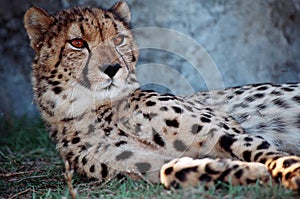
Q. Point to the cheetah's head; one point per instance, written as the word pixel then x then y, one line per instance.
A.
pixel 83 48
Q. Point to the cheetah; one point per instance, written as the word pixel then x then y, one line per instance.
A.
pixel 104 125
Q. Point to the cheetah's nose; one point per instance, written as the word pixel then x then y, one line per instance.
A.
pixel 111 70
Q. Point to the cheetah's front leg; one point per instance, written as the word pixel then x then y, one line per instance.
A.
pixel 187 171
pixel 282 167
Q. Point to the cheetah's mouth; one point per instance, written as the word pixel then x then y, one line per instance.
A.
pixel 108 85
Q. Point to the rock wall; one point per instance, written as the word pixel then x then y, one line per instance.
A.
pixel 246 42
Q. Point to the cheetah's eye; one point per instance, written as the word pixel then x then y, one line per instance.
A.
pixel 119 40
pixel 77 43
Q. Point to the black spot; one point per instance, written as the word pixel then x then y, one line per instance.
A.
pixel 108 118
pixel 280 103
pixel 133 59
pixel 124 155
pixel 287 89
pixel 236 130
pixel 296 170
pixel 287 175
pixel 238 92
pixel 163 108
pixel 263 145
pixel 179 145
pixel 235 166
pixel 261 106
pixel 157 138
pixel 107 131
pixel 249 99
pixel 296 99
pixel 262 125
pixel 177 109
pixel 262 88
pixel 57 90
pixel 230 97
pixel 272 153
pixel 149 116
pixel 205 120
pixel 164 98
pixel 224 174
pixel 188 108
pixel 239 173
pixel 169 95
pixel 274 166
pixel 226 141
pixel 206 115
pixel 75 140
pixel 263 160
pixel 53 71
pixel 181 175
pixel 135 99
pixel 257 156
pixel 196 128
pixel 92 169
pixel 259 95
pixel 247 156
pixel 150 103
pixel 210 170
pixel 277 93
pixel 247 144
pixel 250 181
pixel 104 170
pixel 168 170
pixel 65 143
pixel 288 162
pixel 172 123
pixel 205 178
pixel 258 136
pixel 225 126
pixel 248 139
pixel 278 177
pixel 57 64
pixel 142 94
pixel 82 148
pixel 122 133
pixel 143 167
pixel 84 161
pixel 120 143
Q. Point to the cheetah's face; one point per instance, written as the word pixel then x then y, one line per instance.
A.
pixel 82 47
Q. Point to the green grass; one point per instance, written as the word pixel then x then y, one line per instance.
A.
pixel 30 167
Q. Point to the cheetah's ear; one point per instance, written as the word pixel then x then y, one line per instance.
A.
pixel 37 22
pixel 121 9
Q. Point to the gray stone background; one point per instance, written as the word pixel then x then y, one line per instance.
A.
pixel 249 41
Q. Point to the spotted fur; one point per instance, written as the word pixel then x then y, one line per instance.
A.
pixel 86 90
